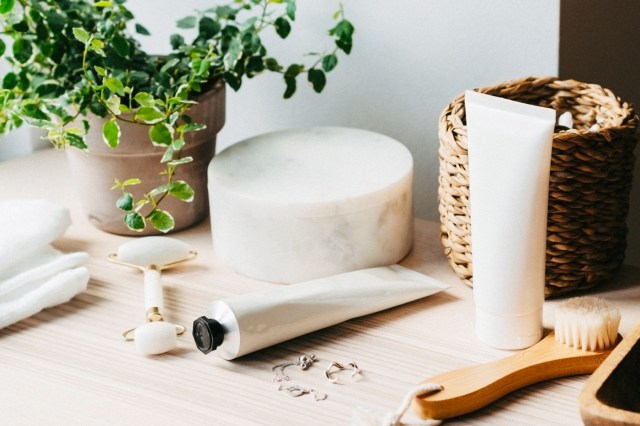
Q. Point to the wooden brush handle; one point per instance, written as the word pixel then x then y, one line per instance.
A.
pixel 468 389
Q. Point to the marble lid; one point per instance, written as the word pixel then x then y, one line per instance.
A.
pixel 324 171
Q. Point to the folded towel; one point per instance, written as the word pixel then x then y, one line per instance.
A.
pixel 60 288
pixel 33 274
pixel 27 225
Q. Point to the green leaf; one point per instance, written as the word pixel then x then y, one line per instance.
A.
pixel 173 118
pixel 121 46
pixel 6 5
pixel 184 160
pixel 103 3
pixel 251 42
pixel 81 35
pixel 191 127
pixel 291 9
pixel 132 181
pixel 208 28
pixel 291 87
pixel 33 111
pixel 3 47
pixel 170 64
pixel 168 154
pixel 111 133
pixel 225 12
pixel 187 22
pixel 23 81
pixel 125 202
pixel 232 80
pixel 138 78
pixel 161 134
pixel 134 221
pixel 329 62
pixel 114 85
pixel 317 79
pixel 282 26
pixel 345 46
pixel 144 99
pixel 22 50
pixel 176 41
pixel 177 144
pixel 97 44
pixel 293 70
pixel 343 30
pixel 113 104
pixel 161 220
pixel 181 190
pixel 149 115
pixel 10 81
pixel 75 140
pixel 272 64
pixel 48 90
pixel 203 68
pixel 55 20
pixel 234 52
pixel 160 190
pixel 142 30
pixel 101 71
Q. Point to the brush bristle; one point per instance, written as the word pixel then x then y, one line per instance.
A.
pixel 586 323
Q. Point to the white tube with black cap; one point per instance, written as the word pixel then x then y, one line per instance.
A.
pixel 246 323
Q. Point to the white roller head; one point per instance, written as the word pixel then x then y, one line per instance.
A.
pixel 157 251
pixel 154 338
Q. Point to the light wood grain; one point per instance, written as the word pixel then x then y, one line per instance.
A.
pixel 69 366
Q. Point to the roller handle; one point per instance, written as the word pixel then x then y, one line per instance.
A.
pixel 468 389
pixel 153 297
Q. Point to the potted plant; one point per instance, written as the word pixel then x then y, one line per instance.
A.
pixel 78 73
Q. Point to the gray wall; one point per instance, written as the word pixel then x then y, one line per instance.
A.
pixel 600 43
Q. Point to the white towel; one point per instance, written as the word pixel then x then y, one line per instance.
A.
pixel 33 274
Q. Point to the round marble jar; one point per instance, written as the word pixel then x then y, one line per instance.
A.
pixel 297 205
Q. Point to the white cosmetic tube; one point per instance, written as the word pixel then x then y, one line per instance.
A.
pixel 509 146
pixel 249 322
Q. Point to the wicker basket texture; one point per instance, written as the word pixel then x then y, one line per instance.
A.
pixel 590 181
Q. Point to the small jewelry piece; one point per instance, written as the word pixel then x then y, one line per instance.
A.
pixel 304 361
pixel 296 390
pixel 335 367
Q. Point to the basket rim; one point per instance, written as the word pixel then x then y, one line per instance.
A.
pixel 629 118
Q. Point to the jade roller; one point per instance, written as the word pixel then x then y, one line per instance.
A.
pixel 151 255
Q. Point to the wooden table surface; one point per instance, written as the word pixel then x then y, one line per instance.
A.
pixel 68 365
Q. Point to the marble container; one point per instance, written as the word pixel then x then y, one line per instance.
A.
pixel 297 205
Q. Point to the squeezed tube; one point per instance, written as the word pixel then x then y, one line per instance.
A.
pixel 246 323
pixel 509 145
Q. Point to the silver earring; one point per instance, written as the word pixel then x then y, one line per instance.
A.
pixel 304 362
pixel 334 367
pixel 295 391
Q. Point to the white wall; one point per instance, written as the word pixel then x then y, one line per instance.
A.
pixel 410 58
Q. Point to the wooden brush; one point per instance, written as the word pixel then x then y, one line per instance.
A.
pixel 585 332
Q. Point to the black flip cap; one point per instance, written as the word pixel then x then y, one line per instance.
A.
pixel 208 334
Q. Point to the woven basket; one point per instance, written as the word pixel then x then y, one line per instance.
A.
pixel 589 184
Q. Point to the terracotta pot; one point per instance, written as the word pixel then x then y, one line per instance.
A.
pixel 95 172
